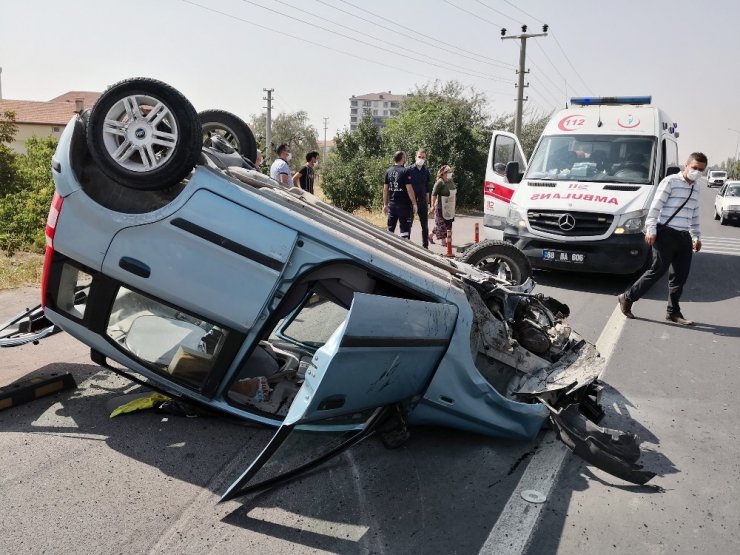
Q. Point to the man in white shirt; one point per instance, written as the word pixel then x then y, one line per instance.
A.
pixel 672 229
pixel 280 170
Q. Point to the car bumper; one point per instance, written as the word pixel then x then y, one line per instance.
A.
pixel 731 215
pixel 618 254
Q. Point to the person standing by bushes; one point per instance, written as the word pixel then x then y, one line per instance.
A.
pixel 280 170
pixel 421 182
pixel 443 204
pixel 399 200
pixel 303 178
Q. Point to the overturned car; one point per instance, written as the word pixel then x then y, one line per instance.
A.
pixel 185 270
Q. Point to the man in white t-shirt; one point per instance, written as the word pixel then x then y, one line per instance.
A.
pixel 280 170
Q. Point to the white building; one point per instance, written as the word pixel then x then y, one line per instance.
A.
pixel 380 106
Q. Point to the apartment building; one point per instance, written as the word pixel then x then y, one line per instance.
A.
pixel 380 106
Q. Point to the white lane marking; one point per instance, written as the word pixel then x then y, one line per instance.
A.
pixel 712 251
pixel 517 522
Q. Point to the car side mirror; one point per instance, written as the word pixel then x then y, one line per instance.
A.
pixel 512 172
pixel 672 170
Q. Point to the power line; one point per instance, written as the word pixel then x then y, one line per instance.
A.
pixel 394 52
pixel 314 43
pixel 571 63
pixel 475 15
pixel 478 60
pixel 525 13
pixel 500 62
pixel 551 63
pixel 496 11
pixel 541 73
pixel 556 42
pixel 403 47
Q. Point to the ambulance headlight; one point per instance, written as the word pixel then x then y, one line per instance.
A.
pixel 631 222
pixel 517 216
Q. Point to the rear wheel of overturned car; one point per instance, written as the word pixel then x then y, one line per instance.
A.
pixel 231 128
pixel 500 259
pixel 144 134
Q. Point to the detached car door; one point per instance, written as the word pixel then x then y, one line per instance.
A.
pixel 497 190
pixel 384 353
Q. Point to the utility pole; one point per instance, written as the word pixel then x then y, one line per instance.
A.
pixel 268 127
pixel 325 126
pixel 522 70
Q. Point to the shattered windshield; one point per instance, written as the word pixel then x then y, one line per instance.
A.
pixel 612 158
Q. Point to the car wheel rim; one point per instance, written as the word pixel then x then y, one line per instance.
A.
pixel 498 267
pixel 140 133
pixel 228 134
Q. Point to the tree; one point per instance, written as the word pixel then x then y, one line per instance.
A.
pixel 353 175
pixel 292 129
pixel 8 129
pixel 23 209
pixel 452 125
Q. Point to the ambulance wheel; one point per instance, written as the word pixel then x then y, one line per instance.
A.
pixel 144 134
pixel 502 260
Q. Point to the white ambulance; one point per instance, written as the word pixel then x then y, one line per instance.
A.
pixel 581 201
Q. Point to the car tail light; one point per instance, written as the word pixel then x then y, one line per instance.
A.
pixel 51 226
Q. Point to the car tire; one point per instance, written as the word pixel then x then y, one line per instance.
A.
pixel 716 216
pixel 722 220
pixel 232 128
pixel 500 259
pixel 144 134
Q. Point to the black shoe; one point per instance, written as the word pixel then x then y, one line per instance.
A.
pixel 677 318
pixel 625 306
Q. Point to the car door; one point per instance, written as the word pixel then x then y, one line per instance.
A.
pixel 384 353
pixel 497 190
pixel 718 200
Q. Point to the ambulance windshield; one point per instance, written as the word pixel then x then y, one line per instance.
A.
pixel 611 158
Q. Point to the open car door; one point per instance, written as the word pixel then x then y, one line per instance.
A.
pixel 497 190
pixel 384 353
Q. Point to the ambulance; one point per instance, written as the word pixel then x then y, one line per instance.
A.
pixel 580 203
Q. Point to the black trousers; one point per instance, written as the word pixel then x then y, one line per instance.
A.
pixel 423 215
pixel 402 214
pixel 672 249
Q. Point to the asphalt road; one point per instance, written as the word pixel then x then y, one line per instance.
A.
pixel 74 480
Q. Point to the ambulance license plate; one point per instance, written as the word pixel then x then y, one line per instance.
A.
pixel 563 256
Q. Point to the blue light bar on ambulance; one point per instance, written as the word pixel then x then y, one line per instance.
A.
pixel 609 100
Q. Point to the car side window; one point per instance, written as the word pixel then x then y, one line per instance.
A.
pixel 164 338
pixel 505 151
pixel 722 190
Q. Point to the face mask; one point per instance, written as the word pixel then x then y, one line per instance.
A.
pixel 420 162
pixel 290 157
pixel 693 175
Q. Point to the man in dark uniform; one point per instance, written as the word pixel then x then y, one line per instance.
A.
pixel 399 200
pixel 420 181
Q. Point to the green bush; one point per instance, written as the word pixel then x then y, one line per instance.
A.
pixel 24 201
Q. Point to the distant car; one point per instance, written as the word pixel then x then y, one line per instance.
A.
pixel 716 178
pixel 727 203
pixel 214 284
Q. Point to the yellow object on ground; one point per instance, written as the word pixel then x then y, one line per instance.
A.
pixel 141 403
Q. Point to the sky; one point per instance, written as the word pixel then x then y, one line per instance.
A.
pixel 316 54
